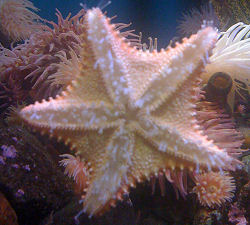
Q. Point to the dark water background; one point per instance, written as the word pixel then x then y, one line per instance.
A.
pixel 154 18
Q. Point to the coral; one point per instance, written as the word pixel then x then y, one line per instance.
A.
pixel 18 19
pixel 236 215
pixel 213 188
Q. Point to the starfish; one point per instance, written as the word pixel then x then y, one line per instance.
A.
pixel 130 114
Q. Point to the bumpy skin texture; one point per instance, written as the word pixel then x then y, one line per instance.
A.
pixel 130 114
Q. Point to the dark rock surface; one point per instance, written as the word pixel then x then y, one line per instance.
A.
pixel 30 177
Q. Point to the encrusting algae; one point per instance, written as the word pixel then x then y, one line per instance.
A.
pixel 131 114
pixel 232 11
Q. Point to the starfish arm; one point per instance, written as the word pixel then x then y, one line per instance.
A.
pixel 67 113
pixel 190 146
pixel 108 178
pixel 185 60
pixel 125 70
pixel 105 45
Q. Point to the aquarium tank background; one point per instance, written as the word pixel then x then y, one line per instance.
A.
pixel 156 19
pixel 141 123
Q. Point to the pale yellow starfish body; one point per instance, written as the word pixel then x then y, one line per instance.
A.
pixel 130 114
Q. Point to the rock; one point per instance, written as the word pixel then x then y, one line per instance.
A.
pixel 30 176
pixel 7 213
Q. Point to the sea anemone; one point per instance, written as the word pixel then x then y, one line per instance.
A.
pixel 77 169
pixel 46 48
pixel 231 55
pixel 32 62
pixel 219 127
pixel 213 188
pixel 11 93
pixel 45 60
pixel 13 90
pixel 195 18
pixel 68 70
pixel 18 19
pixel 7 57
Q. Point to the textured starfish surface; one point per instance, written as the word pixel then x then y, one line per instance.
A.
pixel 130 114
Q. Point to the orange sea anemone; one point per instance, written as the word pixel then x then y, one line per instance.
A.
pixel 76 168
pixel 18 19
pixel 213 188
